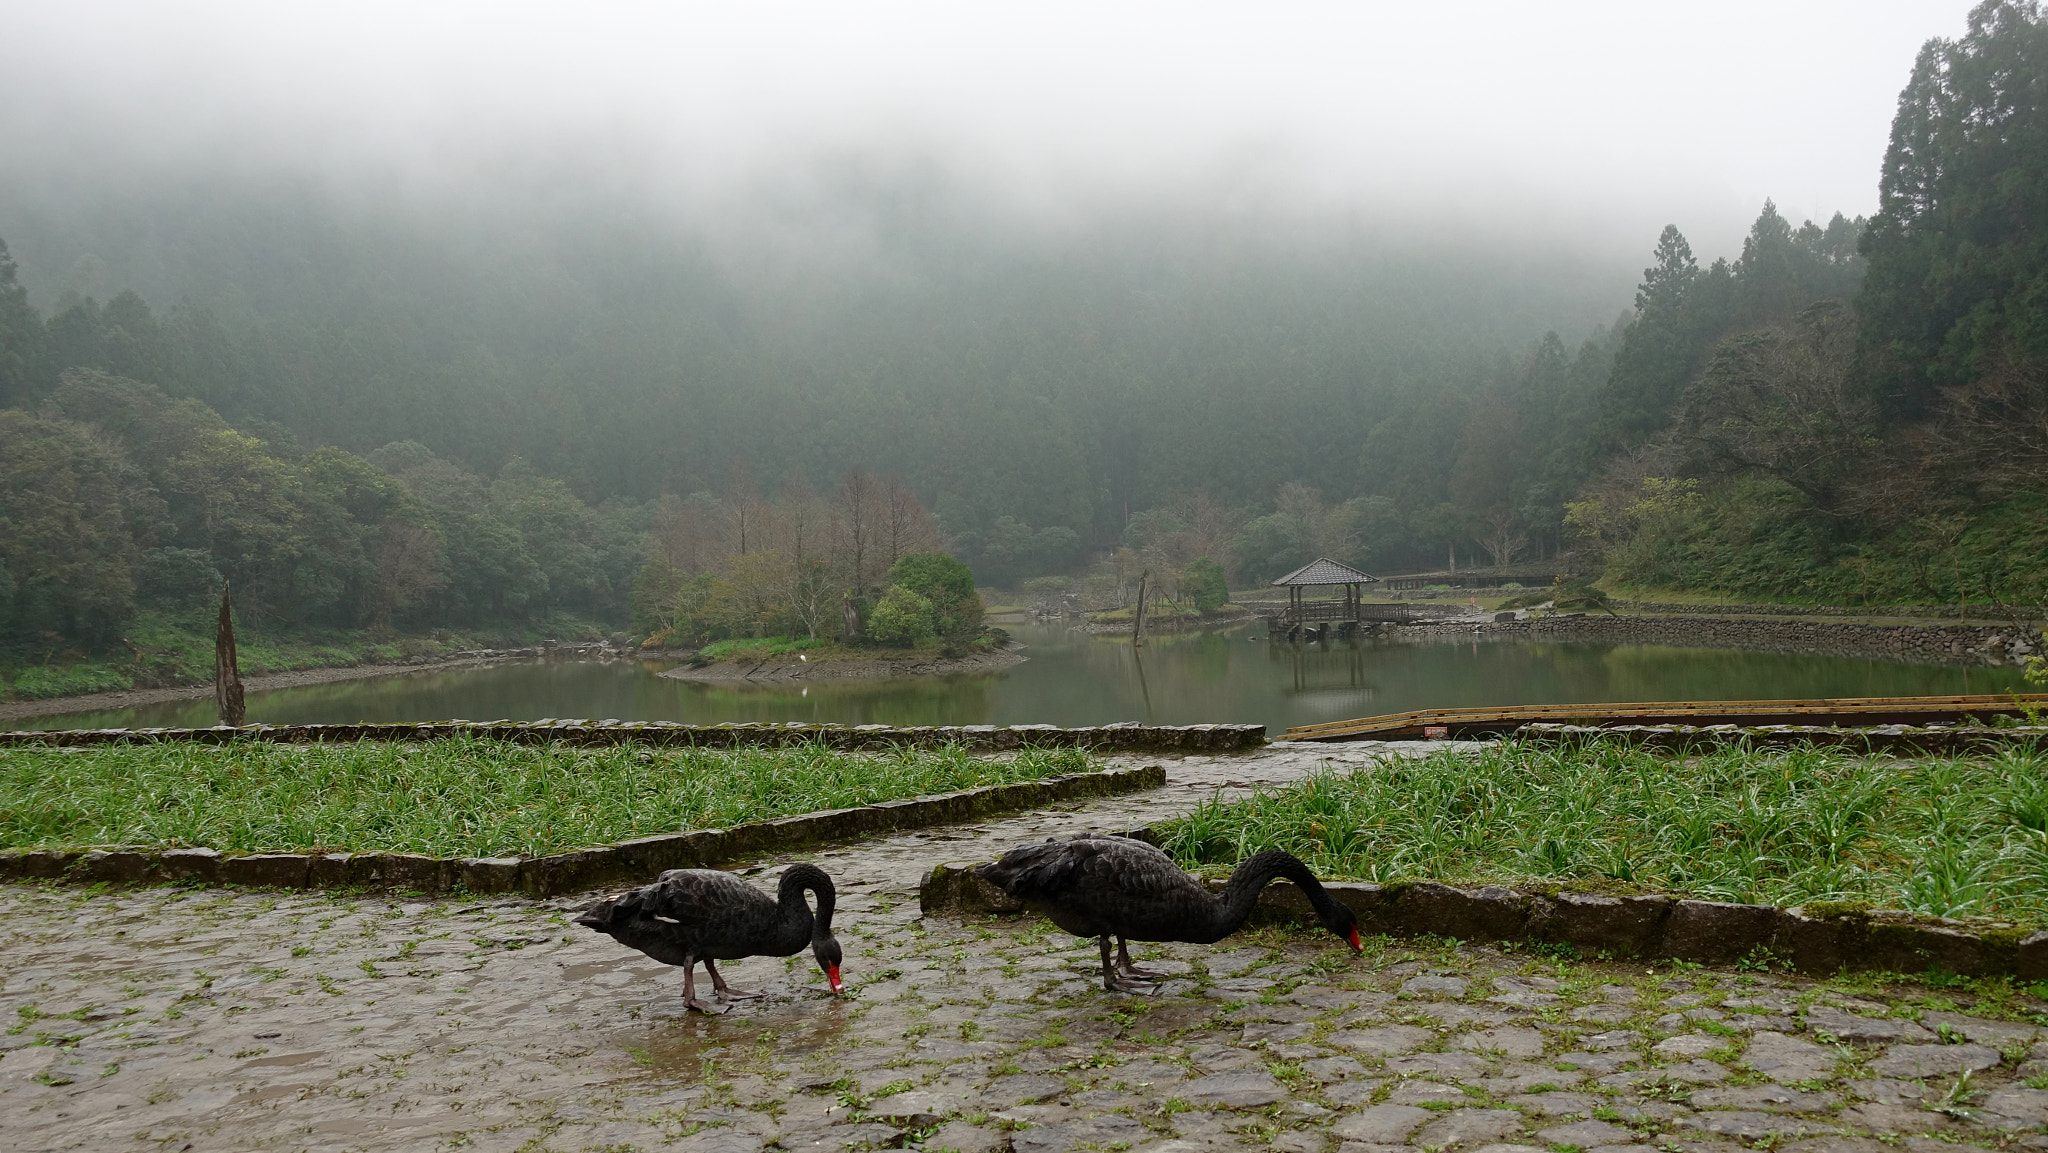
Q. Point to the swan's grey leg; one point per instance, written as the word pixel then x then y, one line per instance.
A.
pixel 1124 966
pixel 1115 982
pixel 727 992
pixel 690 1000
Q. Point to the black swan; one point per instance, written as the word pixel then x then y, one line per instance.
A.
pixel 692 915
pixel 1101 886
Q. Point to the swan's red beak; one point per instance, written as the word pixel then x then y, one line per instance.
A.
pixel 1356 945
pixel 832 975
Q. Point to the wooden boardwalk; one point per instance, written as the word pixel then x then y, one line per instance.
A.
pixel 1849 711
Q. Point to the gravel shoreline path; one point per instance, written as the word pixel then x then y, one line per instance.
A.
pixel 219 1019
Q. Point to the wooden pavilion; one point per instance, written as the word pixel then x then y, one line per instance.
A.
pixel 1323 572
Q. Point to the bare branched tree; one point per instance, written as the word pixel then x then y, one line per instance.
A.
pixel 1993 432
pixel 800 520
pixel 743 509
pixel 906 526
pixel 408 568
pixel 1504 540
pixel 1783 402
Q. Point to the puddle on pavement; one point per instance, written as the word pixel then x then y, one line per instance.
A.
pixel 585 970
pixel 270 1093
pixel 281 1059
pixel 678 1047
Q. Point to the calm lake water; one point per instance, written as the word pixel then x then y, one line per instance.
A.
pixel 1075 679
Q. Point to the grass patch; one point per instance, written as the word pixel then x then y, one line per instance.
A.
pixel 42 682
pixel 1944 836
pixel 176 648
pixel 757 648
pixel 459 797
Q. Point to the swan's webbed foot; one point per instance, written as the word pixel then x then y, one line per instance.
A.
pixel 690 998
pixel 1115 980
pixel 726 992
pixel 1125 968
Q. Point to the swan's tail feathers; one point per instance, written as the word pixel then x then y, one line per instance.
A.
pixel 1034 871
pixel 599 916
pixel 627 906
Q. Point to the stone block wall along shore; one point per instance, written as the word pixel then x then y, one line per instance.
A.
pixel 1819 939
pixel 1125 737
pixel 1977 645
pixel 635 861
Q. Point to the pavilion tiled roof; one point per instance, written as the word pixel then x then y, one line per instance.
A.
pixel 1324 571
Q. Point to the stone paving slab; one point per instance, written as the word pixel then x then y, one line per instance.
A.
pixel 157 1018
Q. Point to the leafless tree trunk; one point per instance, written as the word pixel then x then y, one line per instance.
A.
pixel 1138 620
pixel 801 520
pixel 227 677
pixel 743 507
pixel 856 526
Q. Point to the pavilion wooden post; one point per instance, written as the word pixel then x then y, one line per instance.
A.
pixel 1138 622
pixel 227 678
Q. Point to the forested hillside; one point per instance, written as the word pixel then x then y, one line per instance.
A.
pixel 400 415
pixel 1780 444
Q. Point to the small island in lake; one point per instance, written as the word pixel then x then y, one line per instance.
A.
pixel 766 617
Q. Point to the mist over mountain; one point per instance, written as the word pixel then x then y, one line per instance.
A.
pixel 485 313
pixel 634 352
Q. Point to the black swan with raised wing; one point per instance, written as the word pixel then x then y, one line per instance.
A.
pixel 692 915
pixel 1094 885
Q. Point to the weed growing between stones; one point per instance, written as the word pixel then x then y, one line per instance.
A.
pixel 460 797
pixel 1955 836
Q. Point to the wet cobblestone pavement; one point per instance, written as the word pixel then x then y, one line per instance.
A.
pixel 220 1019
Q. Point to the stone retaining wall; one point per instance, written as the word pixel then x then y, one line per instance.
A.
pixel 1913 644
pixel 1817 939
pixel 1978 612
pixel 981 738
pixel 636 861
pixel 1944 739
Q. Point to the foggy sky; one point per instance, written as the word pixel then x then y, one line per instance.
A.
pixel 1597 117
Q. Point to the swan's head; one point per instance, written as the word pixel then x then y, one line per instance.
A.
pixel 1343 922
pixel 827 953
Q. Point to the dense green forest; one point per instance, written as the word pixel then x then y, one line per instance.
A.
pixel 1765 433
pixel 394 418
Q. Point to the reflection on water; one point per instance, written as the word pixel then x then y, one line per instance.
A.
pixel 1075 679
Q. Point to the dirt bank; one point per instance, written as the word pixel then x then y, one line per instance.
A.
pixel 135 698
pixel 788 668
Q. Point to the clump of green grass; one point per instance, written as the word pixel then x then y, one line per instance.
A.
pixel 41 682
pixel 456 797
pixel 1940 836
pixel 757 647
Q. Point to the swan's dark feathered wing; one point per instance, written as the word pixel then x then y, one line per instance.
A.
pixel 1094 884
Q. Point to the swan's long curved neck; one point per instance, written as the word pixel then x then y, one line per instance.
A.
pixel 798 923
pixel 1250 877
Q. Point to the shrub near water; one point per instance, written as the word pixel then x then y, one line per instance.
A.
pixel 453 798
pixel 1941 836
